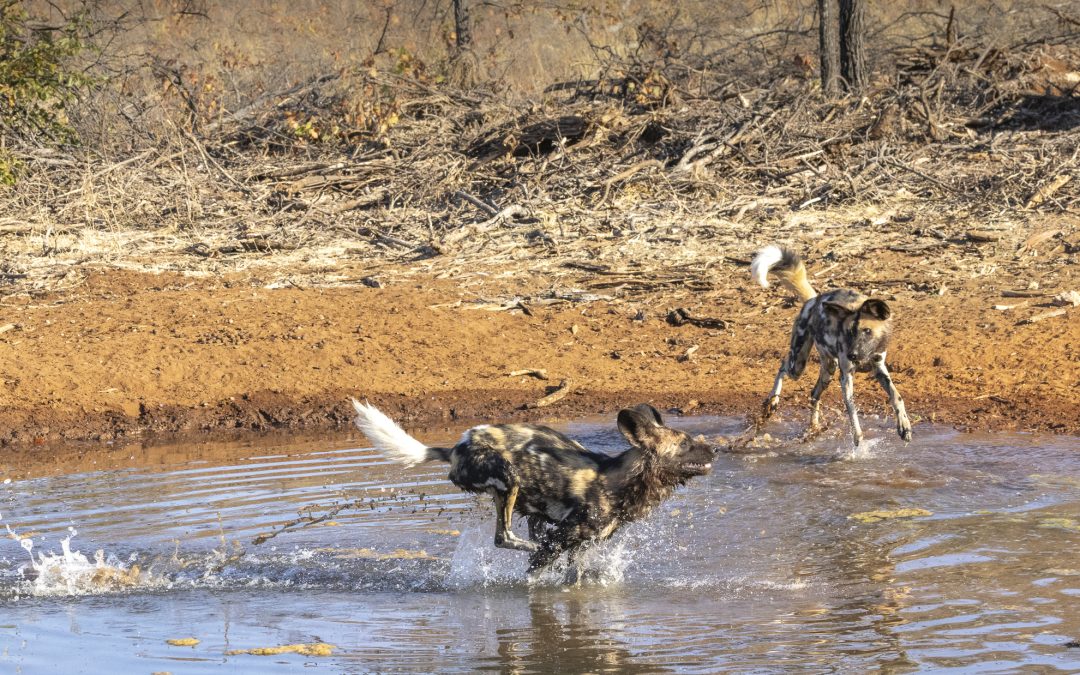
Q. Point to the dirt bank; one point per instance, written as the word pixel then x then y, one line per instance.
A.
pixel 129 353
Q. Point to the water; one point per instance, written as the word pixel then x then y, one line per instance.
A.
pixel 759 567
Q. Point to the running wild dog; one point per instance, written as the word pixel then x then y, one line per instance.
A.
pixel 847 328
pixel 571 496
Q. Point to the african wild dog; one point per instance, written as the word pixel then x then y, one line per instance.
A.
pixel 847 328
pixel 572 496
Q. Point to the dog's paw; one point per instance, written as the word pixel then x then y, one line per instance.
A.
pixel 811 433
pixel 573 575
pixel 515 543
pixel 769 407
pixel 526 545
pixel 903 427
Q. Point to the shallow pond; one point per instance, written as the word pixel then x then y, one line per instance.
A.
pixel 774 561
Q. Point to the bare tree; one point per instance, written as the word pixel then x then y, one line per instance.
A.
pixel 829 46
pixel 462 31
pixel 464 66
pixel 841 43
pixel 852 52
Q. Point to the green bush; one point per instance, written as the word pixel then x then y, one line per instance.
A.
pixel 38 79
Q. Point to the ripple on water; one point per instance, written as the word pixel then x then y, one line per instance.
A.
pixel 756 567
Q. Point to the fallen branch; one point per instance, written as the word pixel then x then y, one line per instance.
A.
pixel 486 208
pixel 1039 317
pixel 451 240
pixel 681 316
pixel 538 373
pixel 1022 294
pixel 983 236
pixel 305 521
pixel 623 175
pixel 1047 191
pixel 688 354
pixel 1038 239
pixel 558 394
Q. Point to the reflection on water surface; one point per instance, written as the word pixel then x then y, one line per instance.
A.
pixel 955 552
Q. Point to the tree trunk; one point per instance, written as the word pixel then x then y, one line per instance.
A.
pixel 829 47
pixel 852 44
pixel 462 34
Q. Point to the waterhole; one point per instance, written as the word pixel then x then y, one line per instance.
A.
pixel 957 551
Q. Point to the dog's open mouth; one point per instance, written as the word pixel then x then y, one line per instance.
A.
pixel 697 467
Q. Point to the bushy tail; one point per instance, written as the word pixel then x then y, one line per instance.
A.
pixel 787 266
pixel 391 440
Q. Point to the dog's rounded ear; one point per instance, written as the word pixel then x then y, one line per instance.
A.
pixel 646 409
pixel 840 312
pixel 876 309
pixel 639 427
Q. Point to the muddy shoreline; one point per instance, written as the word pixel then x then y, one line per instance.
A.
pixel 264 412
pixel 135 356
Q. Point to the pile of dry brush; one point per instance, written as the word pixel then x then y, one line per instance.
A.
pixel 956 130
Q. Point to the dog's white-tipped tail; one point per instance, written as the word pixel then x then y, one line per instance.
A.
pixel 763 262
pixel 387 437
pixel 788 268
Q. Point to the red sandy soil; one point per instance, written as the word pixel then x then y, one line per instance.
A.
pixel 130 354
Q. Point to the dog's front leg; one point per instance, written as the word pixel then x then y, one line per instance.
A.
pixel 881 374
pixel 504 512
pixel 847 386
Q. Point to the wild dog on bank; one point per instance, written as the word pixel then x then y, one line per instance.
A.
pixel 848 329
pixel 572 496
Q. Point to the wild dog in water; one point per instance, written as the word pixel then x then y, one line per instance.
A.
pixel 572 496
pixel 847 328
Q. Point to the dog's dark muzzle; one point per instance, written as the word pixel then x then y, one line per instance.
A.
pixel 700 458
pixel 695 469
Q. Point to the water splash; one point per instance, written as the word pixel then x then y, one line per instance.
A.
pixel 862 451
pixel 70 572
pixel 476 562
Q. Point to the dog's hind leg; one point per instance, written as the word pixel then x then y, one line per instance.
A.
pixel 568 535
pixel 881 374
pixel 574 572
pixel 589 535
pixel 549 551
pixel 847 386
pixel 793 365
pixel 825 375
pixel 772 401
pixel 504 512
pixel 538 528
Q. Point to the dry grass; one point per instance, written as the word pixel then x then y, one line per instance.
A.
pixel 276 143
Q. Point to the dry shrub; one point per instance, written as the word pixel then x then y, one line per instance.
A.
pixel 252 134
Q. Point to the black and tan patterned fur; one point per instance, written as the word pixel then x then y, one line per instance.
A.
pixel 850 331
pixel 571 496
